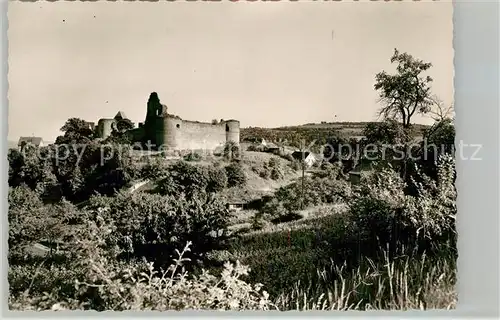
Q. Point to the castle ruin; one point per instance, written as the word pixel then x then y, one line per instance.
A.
pixel 169 132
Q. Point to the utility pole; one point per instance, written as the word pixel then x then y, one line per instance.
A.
pixel 303 162
pixel 303 175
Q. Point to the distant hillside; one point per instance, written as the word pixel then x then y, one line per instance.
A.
pixel 313 131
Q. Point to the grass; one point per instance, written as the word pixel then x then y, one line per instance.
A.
pixel 315 264
pixel 318 263
pixel 404 284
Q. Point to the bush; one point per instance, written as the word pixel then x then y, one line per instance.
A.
pixel 217 179
pixel 231 150
pixel 316 191
pixel 276 174
pixel 235 175
pixel 296 165
pixel 273 210
pixel 73 171
pixel 381 208
pixel 108 286
pixel 31 221
pixel 264 173
pixel 188 179
pixel 156 168
pixel 331 171
pixel 152 225
pixel 254 148
pixel 184 178
pixel 193 156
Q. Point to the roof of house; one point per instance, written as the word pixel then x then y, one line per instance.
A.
pixel 120 115
pixel 298 155
pixel 33 140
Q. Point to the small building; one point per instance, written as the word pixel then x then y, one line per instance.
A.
pixel 235 206
pixel 309 158
pixel 35 141
pixel 269 146
pixel 238 199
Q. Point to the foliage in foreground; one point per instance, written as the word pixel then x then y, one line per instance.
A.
pixel 100 283
pixel 331 265
pixel 401 284
pixel 379 216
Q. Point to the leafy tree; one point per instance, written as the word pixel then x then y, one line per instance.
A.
pixel 386 132
pixel 119 132
pixel 231 150
pixel 441 134
pixel 123 125
pixel 155 168
pixel 84 170
pixel 184 178
pixel 438 140
pixel 16 163
pixel 31 221
pixel 193 156
pixel 235 175
pixel 407 92
pixel 110 168
pixel 76 131
pixel 23 198
pixel 217 179
pixel 153 225
pixel 32 167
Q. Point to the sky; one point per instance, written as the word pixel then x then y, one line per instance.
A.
pixel 264 64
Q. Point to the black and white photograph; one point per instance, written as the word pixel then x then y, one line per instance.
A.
pixel 232 156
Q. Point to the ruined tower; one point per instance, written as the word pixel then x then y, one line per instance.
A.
pixel 173 133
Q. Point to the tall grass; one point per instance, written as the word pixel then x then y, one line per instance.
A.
pixel 320 264
pixel 401 284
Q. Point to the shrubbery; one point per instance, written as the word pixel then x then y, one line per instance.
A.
pixel 95 280
pixel 382 210
pixel 270 170
pixel 185 178
pixel 156 168
pixel 31 221
pixel 323 189
pixel 193 156
pixel 235 175
pixel 154 226
pixel 382 226
pixel 114 252
pixel 231 150
pixel 74 171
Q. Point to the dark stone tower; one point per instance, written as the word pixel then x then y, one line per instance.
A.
pixel 153 111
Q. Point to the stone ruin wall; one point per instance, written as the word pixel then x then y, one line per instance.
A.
pixel 178 134
pixel 170 132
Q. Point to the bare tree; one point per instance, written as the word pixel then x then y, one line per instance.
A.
pixel 439 111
